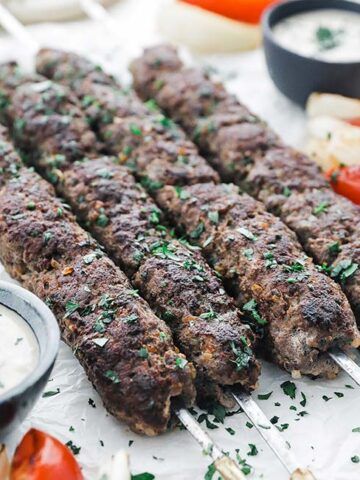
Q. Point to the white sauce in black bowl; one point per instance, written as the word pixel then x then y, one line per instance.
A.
pixel 331 35
pixel 19 350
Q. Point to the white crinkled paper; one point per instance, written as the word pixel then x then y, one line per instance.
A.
pixel 322 438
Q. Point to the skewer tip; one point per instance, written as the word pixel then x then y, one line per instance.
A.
pixel 228 469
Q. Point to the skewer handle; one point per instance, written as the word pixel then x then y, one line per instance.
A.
pixel 227 468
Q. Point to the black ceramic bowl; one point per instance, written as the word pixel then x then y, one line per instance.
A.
pixel 298 76
pixel 16 403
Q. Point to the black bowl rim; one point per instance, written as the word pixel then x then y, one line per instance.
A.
pixel 48 356
pixel 309 5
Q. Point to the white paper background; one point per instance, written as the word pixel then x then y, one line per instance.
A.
pixel 323 439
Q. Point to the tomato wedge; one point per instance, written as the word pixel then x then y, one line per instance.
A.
pixel 242 10
pixel 40 456
pixel 346 182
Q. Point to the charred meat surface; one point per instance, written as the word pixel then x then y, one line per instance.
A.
pixel 126 351
pixel 259 258
pixel 245 151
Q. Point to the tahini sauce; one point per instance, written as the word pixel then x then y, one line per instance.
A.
pixel 331 35
pixel 19 351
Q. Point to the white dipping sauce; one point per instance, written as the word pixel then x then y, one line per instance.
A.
pixel 331 35
pixel 19 350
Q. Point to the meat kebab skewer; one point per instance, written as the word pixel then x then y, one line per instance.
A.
pixel 126 350
pixel 277 444
pixel 244 150
pixel 156 150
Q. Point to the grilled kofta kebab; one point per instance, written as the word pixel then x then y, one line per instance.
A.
pixel 100 315
pixel 244 150
pixel 302 312
pixel 51 130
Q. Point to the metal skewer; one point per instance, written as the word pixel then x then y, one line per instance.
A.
pixel 272 437
pixel 223 464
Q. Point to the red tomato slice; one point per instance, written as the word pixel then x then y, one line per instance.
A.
pixel 346 182
pixel 40 456
pixel 243 10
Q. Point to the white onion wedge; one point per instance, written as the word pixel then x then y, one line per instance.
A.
pixel 117 468
pixel 333 142
pixel 205 32
pixel 337 106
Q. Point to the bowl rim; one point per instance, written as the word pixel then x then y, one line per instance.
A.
pixel 308 5
pixel 50 348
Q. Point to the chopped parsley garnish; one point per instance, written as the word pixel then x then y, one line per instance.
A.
pixel 355 459
pixel 251 307
pixel 131 318
pixel 143 353
pixel 181 193
pixel 356 430
pixel 303 401
pixel 270 261
pixel 247 234
pixel 321 208
pixel 196 233
pixel 264 396
pixel 274 420
pixel 91 403
pixel 253 450
pixel 181 362
pixel 289 388
pixel 135 129
pixel 112 375
pixel 75 450
pixel 210 315
pixel 151 185
pixel 248 253
pixel 339 394
pixel 102 220
pixel 287 192
pixel 230 430
pixel 242 354
pixel 31 206
pixel 51 393
pixel 344 270
pixel 334 247
pixel 71 307
pixel 327 38
pixel 143 476
pixel 213 217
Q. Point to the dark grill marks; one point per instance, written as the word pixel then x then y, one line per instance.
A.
pixel 260 259
pixel 176 281
pixel 100 315
pixel 244 150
